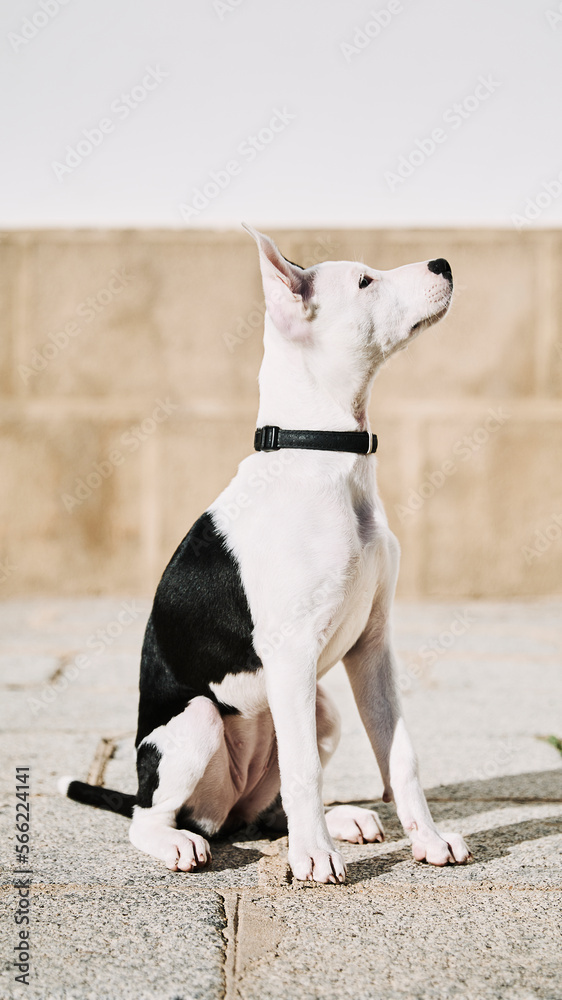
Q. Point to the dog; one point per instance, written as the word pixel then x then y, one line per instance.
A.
pixel 292 569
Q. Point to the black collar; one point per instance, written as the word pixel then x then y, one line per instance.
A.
pixel 271 438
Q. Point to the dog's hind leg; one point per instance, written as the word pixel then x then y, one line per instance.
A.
pixel 172 762
pixel 344 822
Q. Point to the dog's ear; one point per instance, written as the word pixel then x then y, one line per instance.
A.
pixel 288 289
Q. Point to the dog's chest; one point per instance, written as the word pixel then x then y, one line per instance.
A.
pixel 364 573
pixel 311 551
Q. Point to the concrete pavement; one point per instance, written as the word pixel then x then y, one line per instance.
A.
pixel 482 682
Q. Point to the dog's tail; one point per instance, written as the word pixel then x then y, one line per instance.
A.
pixel 95 795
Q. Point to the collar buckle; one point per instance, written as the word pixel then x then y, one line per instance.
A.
pixel 267 438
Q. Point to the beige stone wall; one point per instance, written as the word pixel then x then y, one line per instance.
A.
pixel 99 326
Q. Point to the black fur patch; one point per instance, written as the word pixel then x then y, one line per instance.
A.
pixel 101 798
pixel 199 631
pixel 148 759
pixel 185 820
pixel 273 820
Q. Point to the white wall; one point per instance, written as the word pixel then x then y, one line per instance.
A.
pixel 229 64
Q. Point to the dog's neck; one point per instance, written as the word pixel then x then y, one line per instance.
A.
pixel 295 393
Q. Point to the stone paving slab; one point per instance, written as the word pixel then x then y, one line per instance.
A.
pixel 408 943
pixel 461 727
pixel 45 755
pixel 134 945
pixel 77 846
pixel 103 710
pixel 19 670
pixel 112 923
pixel 46 621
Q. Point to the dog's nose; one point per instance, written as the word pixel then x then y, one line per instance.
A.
pixel 441 266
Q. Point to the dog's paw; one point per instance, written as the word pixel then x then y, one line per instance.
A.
pixel 187 851
pixel 439 848
pixel 352 823
pixel 317 865
pixel 180 850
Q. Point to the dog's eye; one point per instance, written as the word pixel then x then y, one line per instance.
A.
pixel 364 280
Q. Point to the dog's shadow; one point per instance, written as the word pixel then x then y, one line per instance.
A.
pixel 486 846
pixel 449 802
pixel 230 857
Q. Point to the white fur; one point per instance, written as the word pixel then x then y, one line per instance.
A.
pixel 63 784
pixel 246 691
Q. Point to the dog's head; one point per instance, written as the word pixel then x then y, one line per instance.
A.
pixel 349 307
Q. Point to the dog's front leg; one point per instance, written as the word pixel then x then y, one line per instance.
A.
pixel 291 691
pixel 371 669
